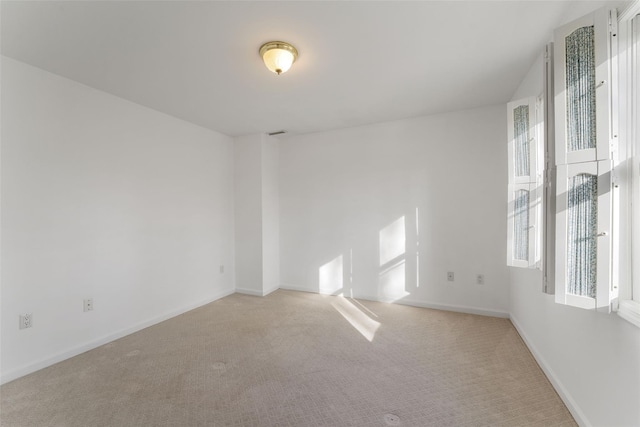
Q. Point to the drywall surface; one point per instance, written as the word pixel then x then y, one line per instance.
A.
pixel 270 216
pixel 248 217
pixel 103 199
pixel 385 211
pixel 257 214
pixel 593 359
pixel 532 83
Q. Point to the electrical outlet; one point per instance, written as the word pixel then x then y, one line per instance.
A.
pixel 221 269
pixel 26 321
pixel 88 304
pixel 450 276
pixel 480 279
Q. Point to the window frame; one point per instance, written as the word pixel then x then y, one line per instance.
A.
pixel 596 161
pixel 549 174
pixel 531 183
pixel 628 306
pixel 616 160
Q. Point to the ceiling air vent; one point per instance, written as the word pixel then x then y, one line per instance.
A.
pixel 278 132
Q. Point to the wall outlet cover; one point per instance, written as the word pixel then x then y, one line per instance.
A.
pixel 26 321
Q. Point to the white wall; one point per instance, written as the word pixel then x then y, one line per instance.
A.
pixel 592 358
pixel 364 211
pixel 270 215
pixel 103 199
pixel 257 213
pixel 248 211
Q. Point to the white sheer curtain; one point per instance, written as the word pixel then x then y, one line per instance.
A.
pixel 581 94
pixel 521 225
pixel 581 236
pixel 521 137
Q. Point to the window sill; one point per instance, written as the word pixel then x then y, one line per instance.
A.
pixel 630 311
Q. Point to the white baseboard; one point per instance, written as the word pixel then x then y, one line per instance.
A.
pixel 456 308
pixel 255 293
pixel 248 292
pixel 33 367
pixel 297 288
pixel 415 303
pixel 268 291
pixel 571 404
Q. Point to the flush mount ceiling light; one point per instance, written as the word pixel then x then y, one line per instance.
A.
pixel 278 56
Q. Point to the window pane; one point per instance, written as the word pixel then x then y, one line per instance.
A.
pixel 581 240
pixel 581 90
pixel 521 225
pixel 521 136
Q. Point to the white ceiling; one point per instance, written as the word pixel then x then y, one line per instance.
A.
pixel 359 63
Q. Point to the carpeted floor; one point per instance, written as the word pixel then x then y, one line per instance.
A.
pixel 296 359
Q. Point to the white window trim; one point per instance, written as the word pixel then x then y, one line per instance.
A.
pixel 629 310
pixel 629 67
pixel 548 247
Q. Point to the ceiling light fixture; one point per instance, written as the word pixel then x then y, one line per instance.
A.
pixel 278 56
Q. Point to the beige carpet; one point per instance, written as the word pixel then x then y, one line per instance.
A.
pixel 296 359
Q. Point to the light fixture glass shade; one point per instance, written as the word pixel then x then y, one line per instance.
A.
pixel 278 56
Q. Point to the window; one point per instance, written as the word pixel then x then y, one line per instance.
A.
pixel 584 141
pixel 576 151
pixel 629 171
pixel 525 180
